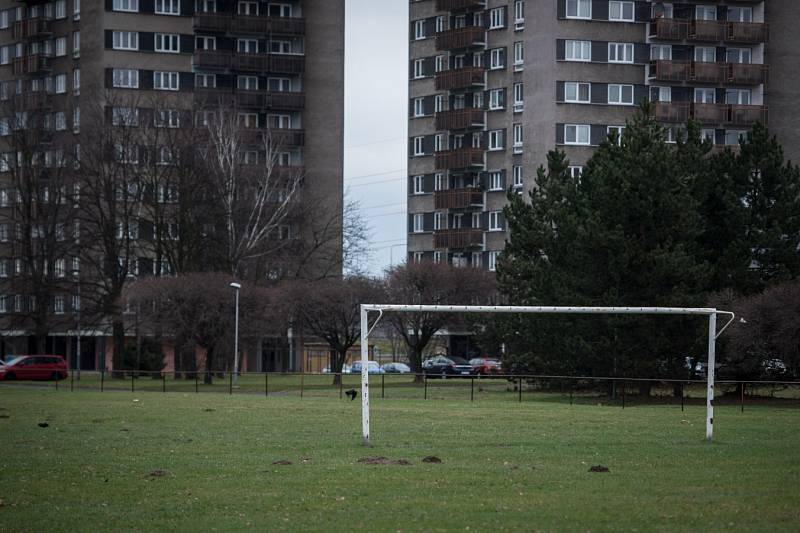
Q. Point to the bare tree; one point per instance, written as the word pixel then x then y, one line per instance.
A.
pixel 355 240
pixel 431 283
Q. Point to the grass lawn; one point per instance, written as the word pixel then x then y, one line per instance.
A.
pixel 505 465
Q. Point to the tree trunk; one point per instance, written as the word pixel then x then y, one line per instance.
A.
pixel 337 362
pixel 415 358
pixel 118 347
pixel 208 378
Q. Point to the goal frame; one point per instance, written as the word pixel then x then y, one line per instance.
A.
pixel 711 313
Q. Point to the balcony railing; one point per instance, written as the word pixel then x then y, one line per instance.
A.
pixel 31 64
pixel 458 198
pixel 708 72
pixel 226 60
pixel 32 27
pixel 459 158
pixel 277 137
pixel 460 78
pixel 460 119
pixel 251 99
pixel 711 114
pixel 709 30
pixel 455 5
pixel 34 101
pixel 220 22
pixel 459 38
pixel 458 238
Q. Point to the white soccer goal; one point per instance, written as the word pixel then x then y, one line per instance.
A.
pixel 713 334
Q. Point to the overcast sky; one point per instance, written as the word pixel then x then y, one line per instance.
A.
pixel 376 95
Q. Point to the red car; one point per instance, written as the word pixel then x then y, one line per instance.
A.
pixel 40 367
pixel 486 367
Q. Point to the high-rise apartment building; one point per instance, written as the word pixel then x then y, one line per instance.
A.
pixel 277 65
pixel 495 84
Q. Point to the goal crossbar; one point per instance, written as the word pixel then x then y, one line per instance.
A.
pixel 711 313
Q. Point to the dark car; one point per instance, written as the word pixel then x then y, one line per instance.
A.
pixel 396 368
pixel 447 366
pixel 486 367
pixel 38 367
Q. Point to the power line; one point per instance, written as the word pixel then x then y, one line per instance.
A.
pixel 376 182
pixel 364 176
pixel 383 205
pixel 389 214
pixel 375 142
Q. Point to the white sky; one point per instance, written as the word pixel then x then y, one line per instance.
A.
pixel 376 122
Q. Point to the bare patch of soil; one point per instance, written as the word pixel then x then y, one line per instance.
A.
pixel 599 468
pixel 379 460
pixel 432 459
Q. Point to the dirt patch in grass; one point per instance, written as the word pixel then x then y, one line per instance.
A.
pixel 599 468
pixel 431 459
pixel 158 472
pixel 379 460
pixel 282 462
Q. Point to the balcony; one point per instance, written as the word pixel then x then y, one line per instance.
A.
pixel 709 30
pixel 32 27
pixel 277 138
pixel 458 198
pixel 458 238
pixel 460 119
pixel 33 101
pixel 462 78
pixel 459 158
pixel 224 23
pixel 31 64
pixel 261 63
pixel 716 73
pixel 457 5
pixel 460 38
pixel 710 114
pixel 251 99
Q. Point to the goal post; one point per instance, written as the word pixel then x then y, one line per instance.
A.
pixel 711 313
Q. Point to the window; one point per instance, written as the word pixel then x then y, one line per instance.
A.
pixel 577 50
pixel 125 78
pixel 125 116
pixel 438 142
pixel 622 11
pixel 495 181
pixel 477 100
pixel 439 182
pixel 708 135
pixel 518 176
pixel 247 83
pixel 660 94
pixel 438 103
pixel 438 220
pixel 497 18
pixel 126 5
pixel 620 52
pixel 740 14
pixel 497 58
pixel 76 302
pixel 704 96
pixel 497 99
pixel 205 81
pixel 4 19
pixel 579 9
pixel 737 96
pixel 738 55
pixel 495 221
pixel 76 127
pixel 705 54
pixel 60 268
pixel 575 172
pixel 419 107
pixel 279 10
pixel 168 7
pixel 519 14
pixel 439 63
pixel 419 222
pixel 419 29
pixel 126 40
pixel 419 68
pixel 493 260
pixel 496 140
pixel 577 92
pixel 734 137
pixel 247 46
pixel 518 138
pixel 247 8
pixel 419 184
pixel 661 51
pixel 61 47
pixel 58 304
pixel 615 132
pixel 620 94
pixel 61 84
pixel 3 271
pixel 168 43
pixel 419 146
pixel 437 257
pixel 76 80
pixel 205 42
pixel 76 11
pixel 167 118
pixel 439 24
pixel 76 44
pixel 705 12
pixel 519 56
pixel 126 153
pixel 576 134
pixel 519 97
pixel 165 81
pixel 248 120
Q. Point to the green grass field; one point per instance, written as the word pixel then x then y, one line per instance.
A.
pixel 505 465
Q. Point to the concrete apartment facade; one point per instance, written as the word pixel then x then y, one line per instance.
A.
pixel 495 84
pixel 270 59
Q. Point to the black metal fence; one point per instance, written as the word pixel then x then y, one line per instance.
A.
pixel 573 389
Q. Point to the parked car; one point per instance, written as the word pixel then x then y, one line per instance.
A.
pixel 34 367
pixel 447 366
pixel 396 368
pixel 773 368
pixel 486 367
pixel 372 368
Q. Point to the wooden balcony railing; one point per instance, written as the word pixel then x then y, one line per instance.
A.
pixel 458 38
pixel 460 119
pixel 748 73
pixel 220 22
pixel 263 63
pixel 708 72
pixel 457 238
pixel 459 158
pixel 709 30
pixel 458 198
pixel 277 138
pixel 455 5
pixel 31 27
pixel 711 114
pixel 739 73
pixel 251 99
pixel 666 70
pixel 33 101
pixel 31 64
pixel 460 78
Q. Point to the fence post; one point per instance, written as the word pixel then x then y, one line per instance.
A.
pixel 266 384
pixel 743 386
pixel 341 384
pixel 196 389
pixel 132 381
pixel 56 384
pixel 571 392
pixel 520 390
pixel 71 381
pixel 230 383
pixel 682 396
pixel 472 388
pixel 302 379
pixel 425 379
pixel 623 394
pixel 102 379
pixel 383 384
pixel 163 382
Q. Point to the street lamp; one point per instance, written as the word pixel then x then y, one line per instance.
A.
pixel 236 287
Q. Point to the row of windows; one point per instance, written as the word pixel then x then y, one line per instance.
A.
pixel 496 20
pixel 171 43
pixel 475 259
pixel 25 304
pixel 51 10
pixel 51 48
pixel 495 181
pixel 58 267
pixel 172 118
pixel 126 78
pixel 457 221
pixel 162 7
pixel 49 84
pixel 173 7
pixel 493 99
pixel 495 141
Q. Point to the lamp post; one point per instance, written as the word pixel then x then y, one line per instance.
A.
pixel 236 287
